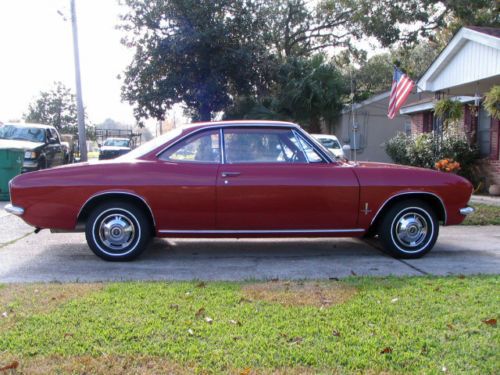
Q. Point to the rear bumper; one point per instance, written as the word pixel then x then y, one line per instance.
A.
pixel 14 210
pixel 466 211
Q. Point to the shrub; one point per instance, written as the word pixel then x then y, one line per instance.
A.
pixel 424 151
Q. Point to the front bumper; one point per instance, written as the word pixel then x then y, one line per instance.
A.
pixel 466 211
pixel 14 210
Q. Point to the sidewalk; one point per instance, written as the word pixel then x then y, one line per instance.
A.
pixel 485 199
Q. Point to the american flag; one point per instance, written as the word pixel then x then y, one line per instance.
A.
pixel 401 88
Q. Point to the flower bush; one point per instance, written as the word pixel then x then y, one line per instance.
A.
pixel 447 165
pixel 424 150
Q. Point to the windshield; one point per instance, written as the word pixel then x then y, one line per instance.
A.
pixel 117 142
pixel 22 133
pixel 151 145
pixel 330 143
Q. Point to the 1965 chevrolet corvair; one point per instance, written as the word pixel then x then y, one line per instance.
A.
pixel 239 179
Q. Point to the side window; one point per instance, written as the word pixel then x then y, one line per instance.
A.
pixel 53 134
pixel 261 145
pixel 312 155
pixel 199 148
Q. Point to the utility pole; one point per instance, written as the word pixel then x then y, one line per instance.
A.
pixel 82 138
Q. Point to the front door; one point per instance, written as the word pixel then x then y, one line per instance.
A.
pixel 272 180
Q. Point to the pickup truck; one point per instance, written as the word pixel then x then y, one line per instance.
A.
pixel 41 144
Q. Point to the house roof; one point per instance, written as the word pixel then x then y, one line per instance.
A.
pixel 428 104
pixel 473 54
pixel 493 31
pixel 370 100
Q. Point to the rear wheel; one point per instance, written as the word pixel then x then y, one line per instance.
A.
pixel 117 231
pixel 409 229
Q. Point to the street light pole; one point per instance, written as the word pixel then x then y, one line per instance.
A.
pixel 82 138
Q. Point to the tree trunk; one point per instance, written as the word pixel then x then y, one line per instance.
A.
pixel 314 125
pixel 205 112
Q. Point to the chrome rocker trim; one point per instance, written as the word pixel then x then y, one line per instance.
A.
pixel 14 210
pixel 467 210
pixel 263 231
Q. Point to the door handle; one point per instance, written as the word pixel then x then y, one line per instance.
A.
pixel 230 174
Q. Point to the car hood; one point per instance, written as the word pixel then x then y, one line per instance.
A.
pixel 114 148
pixel 23 145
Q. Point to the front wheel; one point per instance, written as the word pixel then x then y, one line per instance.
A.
pixel 409 229
pixel 117 231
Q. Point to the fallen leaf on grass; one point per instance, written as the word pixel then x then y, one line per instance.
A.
pixel 336 333
pixel 491 322
pixel 246 371
pixel 190 331
pixel 14 365
pixel 394 300
pixel 68 335
pixel 450 326
pixel 174 306
pixel 209 320
pixel 235 322
pixel 4 314
pixel 386 350
pixel 201 284
pixel 200 313
pixel 296 340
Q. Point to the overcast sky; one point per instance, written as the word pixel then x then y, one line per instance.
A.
pixel 36 49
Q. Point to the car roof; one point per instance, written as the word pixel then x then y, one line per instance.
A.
pixel 207 124
pixel 28 125
pixel 118 139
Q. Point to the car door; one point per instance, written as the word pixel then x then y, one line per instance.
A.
pixel 273 180
pixel 182 186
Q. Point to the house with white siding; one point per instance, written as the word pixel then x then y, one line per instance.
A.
pixel 465 70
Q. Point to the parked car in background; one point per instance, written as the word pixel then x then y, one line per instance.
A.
pixel 331 143
pixel 240 179
pixel 114 147
pixel 41 143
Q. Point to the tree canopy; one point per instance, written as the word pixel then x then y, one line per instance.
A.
pixel 228 55
pixel 56 107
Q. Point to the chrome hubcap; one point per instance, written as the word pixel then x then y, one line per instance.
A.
pixel 411 230
pixel 116 231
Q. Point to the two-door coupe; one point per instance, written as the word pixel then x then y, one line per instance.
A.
pixel 239 179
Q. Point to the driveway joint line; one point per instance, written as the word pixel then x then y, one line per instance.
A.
pixel 376 245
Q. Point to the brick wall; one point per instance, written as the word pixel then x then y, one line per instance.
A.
pixel 495 131
pixel 417 123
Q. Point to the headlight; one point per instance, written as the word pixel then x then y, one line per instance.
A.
pixel 30 155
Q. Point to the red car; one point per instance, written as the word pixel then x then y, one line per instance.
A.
pixel 240 179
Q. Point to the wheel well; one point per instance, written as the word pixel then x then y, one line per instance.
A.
pixel 432 200
pixel 122 197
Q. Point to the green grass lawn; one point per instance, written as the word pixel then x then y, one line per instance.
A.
pixel 358 325
pixel 484 215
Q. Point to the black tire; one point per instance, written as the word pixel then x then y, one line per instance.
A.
pixel 118 231
pixel 409 229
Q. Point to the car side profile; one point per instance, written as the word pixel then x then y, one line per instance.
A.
pixel 239 179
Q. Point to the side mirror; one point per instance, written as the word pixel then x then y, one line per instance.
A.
pixel 99 145
pixel 52 140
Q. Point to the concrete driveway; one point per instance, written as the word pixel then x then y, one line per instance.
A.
pixel 28 257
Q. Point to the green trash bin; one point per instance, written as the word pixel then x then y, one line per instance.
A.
pixel 11 162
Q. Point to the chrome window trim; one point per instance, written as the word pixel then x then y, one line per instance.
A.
pixel 301 146
pixel 221 146
pixel 293 127
pixel 410 193
pixel 117 192
pixel 263 231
